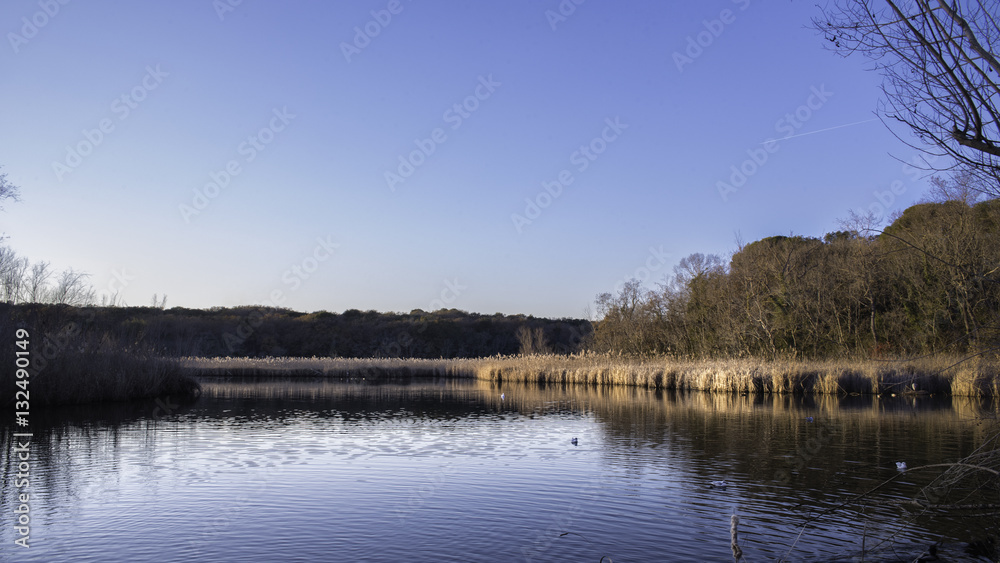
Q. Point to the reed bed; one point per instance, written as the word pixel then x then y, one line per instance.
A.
pixel 361 368
pixel 940 375
pixel 66 367
pixel 86 377
pixel 104 375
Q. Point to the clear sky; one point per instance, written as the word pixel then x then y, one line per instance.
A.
pixel 515 157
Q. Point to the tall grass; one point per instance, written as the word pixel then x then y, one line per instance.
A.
pixel 929 376
pixel 337 367
pixel 75 367
pixel 941 375
pixel 88 376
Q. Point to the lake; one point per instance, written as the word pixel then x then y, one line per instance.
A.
pixel 459 470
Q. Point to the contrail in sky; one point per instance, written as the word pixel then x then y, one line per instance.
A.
pixel 820 131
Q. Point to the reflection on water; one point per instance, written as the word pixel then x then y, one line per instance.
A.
pixel 317 470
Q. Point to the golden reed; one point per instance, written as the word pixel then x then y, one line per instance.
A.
pixel 940 375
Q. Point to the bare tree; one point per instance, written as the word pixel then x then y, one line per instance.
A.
pixel 12 269
pixel 625 319
pixel 72 289
pixel 35 287
pixel 112 299
pixel 941 72
pixel 541 343
pixel 8 190
pixel 527 340
pixel 962 187
pixel 696 266
pixel 159 303
pixel 532 341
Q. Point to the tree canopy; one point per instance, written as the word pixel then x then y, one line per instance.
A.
pixel 930 282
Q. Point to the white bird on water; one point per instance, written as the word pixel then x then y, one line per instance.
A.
pixel 901 465
pixel 501 396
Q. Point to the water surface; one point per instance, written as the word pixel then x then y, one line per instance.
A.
pixel 447 470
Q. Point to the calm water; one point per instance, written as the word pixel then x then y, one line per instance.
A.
pixel 318 470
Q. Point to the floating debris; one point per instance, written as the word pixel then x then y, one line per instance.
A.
pixel 930 555
pixel 809 419
pixel 718 485
pixel 734 524
pixel 901 465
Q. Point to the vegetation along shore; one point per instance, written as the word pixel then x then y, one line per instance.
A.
pixel 941 375
pixel 913 308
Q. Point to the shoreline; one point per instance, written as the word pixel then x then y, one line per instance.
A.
pixel 941 375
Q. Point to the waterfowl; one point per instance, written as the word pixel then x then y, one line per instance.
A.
pixel 929 555
pixel 718 485
pixel 573 441
pixel 901 465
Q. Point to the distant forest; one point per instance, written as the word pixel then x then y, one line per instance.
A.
pixel 267 331
pixel 927 283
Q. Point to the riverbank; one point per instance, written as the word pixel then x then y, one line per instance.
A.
pixel 944 375
pixel 62 361
pixel 76 377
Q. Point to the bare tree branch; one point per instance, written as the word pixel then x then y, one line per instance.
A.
pixel 941 72
pixel 8 190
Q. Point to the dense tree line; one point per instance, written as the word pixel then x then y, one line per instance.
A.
pixel 266 331
pixel 929 282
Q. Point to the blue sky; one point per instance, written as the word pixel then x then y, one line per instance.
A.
pixel 408 154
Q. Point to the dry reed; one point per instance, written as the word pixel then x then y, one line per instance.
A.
pixel 941 375
pixel 67 367
pixel 77 377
